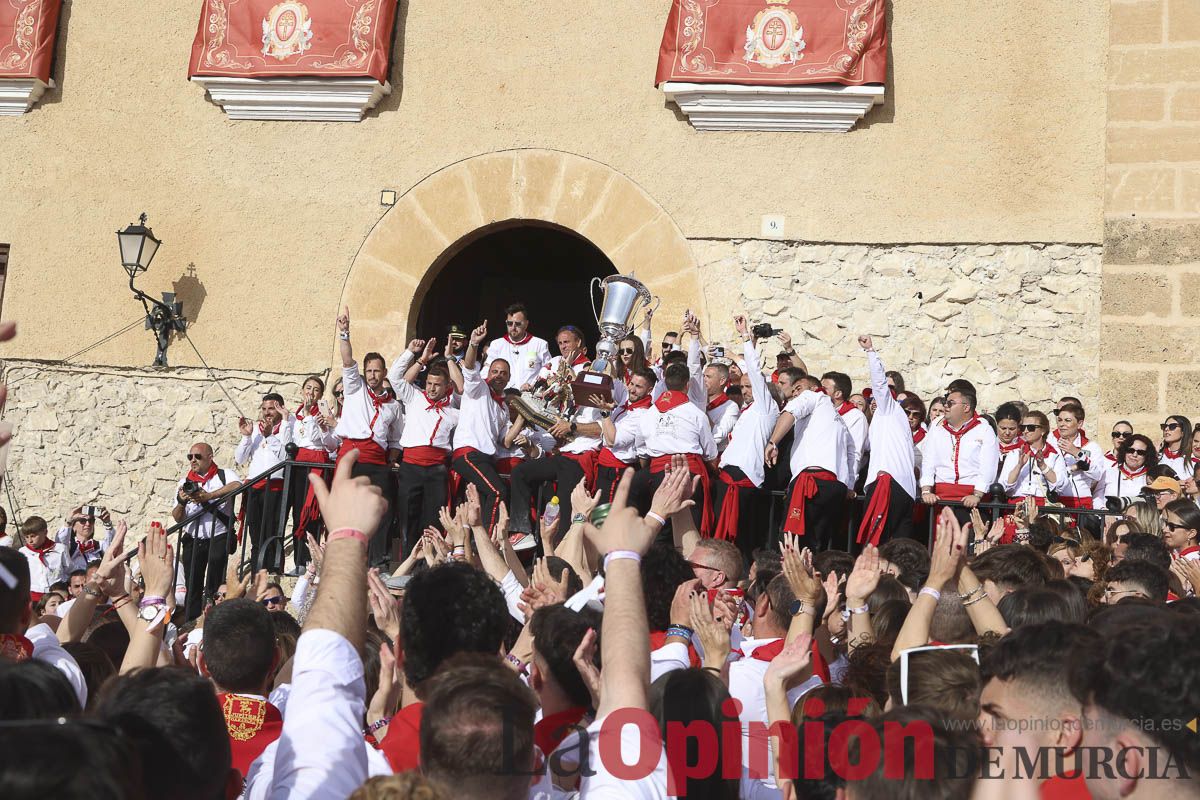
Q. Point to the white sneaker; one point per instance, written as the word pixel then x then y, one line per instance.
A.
pixel 522 541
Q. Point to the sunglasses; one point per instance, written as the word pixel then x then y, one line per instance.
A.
pixel 1169 426
pixel 626 351
pixel 1141 453
pixel 1066 540
pixel 272 601
pixel 913 414
pixel 514 324
pixel 1121 435
pixel 1171 526
pixel 666 348
pixel 338 394
pixel 195 456
pixel 1030 428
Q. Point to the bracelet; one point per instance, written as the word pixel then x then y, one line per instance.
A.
pixel 977 590
pixel 662 522
pixel 617 554
pixel 376 725
pixel 682 631
pixel 151 600
pixel 348 533
pixel 929 590
pixel 859 610
pixel 516 662
pixel 91 591
pixel 344 335
pixel 117 602
pixel 973 602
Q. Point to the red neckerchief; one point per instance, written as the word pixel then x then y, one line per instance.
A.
pixel 1083 440
pixel 549 731
pixel 845 407
pixel 497 396
pixel 1189 550
pixel 643 403
pixel 956 437
pixel 768 652
pixel 819 390
pixel 528 336
pixel 918 435
pixel 377 400
pixel 718 401
pixel 86 546
pixel 1111 456
pixel 312 411
pixel 580 358
pixel 206 477
pixel 1015 444
pixel 670 399
pixel 1045 452
pixel 15 647
pixel 262 429
pixel 46 548
pixel 436 405
pixel 1139 473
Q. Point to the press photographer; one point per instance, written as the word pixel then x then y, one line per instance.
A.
pixel 206 538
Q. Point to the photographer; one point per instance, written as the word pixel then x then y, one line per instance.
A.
pixel 206 538
pixel 79 535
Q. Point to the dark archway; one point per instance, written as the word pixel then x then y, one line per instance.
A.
pixel 545 267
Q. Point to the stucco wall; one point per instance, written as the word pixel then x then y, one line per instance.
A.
pixel 993 132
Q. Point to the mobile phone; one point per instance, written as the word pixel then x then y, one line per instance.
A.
pixel 88 511
pixel 718 351
pixel 323 407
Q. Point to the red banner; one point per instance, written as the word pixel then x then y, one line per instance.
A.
pixel 288 38
pixel 774 42
pixel 28 30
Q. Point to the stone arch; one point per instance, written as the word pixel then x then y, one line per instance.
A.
pixel 451 207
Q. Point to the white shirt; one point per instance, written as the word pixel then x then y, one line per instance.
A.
pixel 632 741
pixel 856 423
pixel 1118 483
pixel 723 418
pixel 538 438
pixel 752 431
pixel 320 751
pixel 525 360
pixel 684 429
pixel 47 648
pixel 1031 480
pixel 821 439
pixel 892 448
pixel 628 443
pixel 1080 484
pixel 361 420
pixel 208 526
pixel 309 434
pixel 263 451
pixel 974 461
pixel 482 420
pixel 1183 464
pixel 56 568
pixel 585 414
pixel 75 555
pixel 426 424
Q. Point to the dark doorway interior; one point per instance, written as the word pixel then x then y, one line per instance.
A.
pixel 547 269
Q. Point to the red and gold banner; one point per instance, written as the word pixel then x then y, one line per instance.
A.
pixel 28 30
pixel 289 38
pixel 774 42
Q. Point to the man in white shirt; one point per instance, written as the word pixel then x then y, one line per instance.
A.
pixel 622 432
pixel 960 456
pixel 736 494
pixel 429 423
pixel 48 560
pixel 824 463
pixel 675 425
pixel 482 423
pixel 524 353
pixel 837 385
pixel 205 538
pixel 263 446
pixel 891 486
pixel 371 423
pixel 722 411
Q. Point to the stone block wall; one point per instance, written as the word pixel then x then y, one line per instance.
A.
pixel 119 437
pixel 1150 315
pixel 1020 321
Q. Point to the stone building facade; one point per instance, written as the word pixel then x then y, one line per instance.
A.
pixel 965 222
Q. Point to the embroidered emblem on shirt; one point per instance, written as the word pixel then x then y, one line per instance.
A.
pixel 244 716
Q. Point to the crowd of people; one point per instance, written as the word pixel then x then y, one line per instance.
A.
pixel 708 579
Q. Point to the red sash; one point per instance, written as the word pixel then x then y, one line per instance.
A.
pixel 15 647
pixel 728 519
pixel 252 724
pixel 548 732
pixel 658 639
pixel 402 745
pixel 1074 502
pixel 696 466
pixel 505 466
pixel 369 451
pixel 607 459
pixel 768 652
pixel 271 484
pixel 953 491
pixel 455 479
pixel 311 512
pixel 586 460
pixel 804 490
pixel 425 456
pixel 876 516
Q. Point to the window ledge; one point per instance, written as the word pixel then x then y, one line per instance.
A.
pixel 830 108
pixel 310 99
pixel 18 95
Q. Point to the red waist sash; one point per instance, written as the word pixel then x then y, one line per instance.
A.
pixel 696 466
pixel 369 451
pixel 804 490
pixel 425 456
pixel 588 462
pixel 729 518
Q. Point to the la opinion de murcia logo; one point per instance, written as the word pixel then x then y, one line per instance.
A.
pixel 286 30
pixel 775 37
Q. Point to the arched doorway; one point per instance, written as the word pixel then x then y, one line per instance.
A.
pixel 543 266
pixel 406 253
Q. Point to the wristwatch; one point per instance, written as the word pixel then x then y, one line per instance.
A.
pixel 91 591
pixel 604 414
pixel 148 612
pixel 799 607
pixel 574 427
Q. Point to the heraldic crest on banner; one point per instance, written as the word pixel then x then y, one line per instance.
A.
pixel 775 37
pixel 286 30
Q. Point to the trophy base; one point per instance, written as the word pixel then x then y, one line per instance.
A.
pixel 590 384
pixel 534 411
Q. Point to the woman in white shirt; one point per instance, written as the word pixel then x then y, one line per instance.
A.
pixel 1036 469
pixel 1176 450
pixel 1135 460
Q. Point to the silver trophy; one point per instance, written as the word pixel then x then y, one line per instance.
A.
pixel 624 297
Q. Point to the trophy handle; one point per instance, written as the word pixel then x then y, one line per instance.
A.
pixel 592 297
pixel 657 303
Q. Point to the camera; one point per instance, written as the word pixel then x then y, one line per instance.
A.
pixel 1117 503
pixel 1082 464
pixel 763 330
pixel 190 487
pixel 92 511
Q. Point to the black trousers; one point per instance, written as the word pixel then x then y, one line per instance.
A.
pixel 420 494
pixel 607 479
pixel 641 494
pixel 527 475
pixel 899 522
pixel 297 494
pixel 204 563
pixel 262 521
pixel 823 514
pixel 379 475
pixel 752 530
pixel 479 470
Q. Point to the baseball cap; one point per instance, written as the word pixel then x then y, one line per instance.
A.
pixel 1164 484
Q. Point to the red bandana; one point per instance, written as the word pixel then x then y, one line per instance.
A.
pixel 312 411
pixel 437 405
pixel 1083 440
pixel 377 400
pixel 1044 453
pixel 918 435
pixel 528 336
pixel 974 421
pixel 41 551
pixel 845 407
pixel 15 647
pixel 1015 444
pixel 1135 474
pixel 1187 551
pixel 206 477
pixel 643 403
pixel 767 652
pixel 670 399
pixel 580 358
pixel 718 401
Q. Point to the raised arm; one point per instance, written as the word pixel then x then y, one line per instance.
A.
pixel 343 328
pixel 949 546
pixel 879 385
pixel 758 383
pixel 407 366
pixel 471 357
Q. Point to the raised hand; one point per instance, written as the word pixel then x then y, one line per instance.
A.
pixel 865 343
pixel 585 661
pixel 343 320
pixel 864 577
pixel 805 584
pixel 479 334
pixel 791 662
pixel 430 351
pixel 785 340
pixel 384 607
pixel 582 503
pixel 245 426
pixel 156 563
pixel 111 573
pixel 713 634
pixel 949 547
pixel 742 326
pixel 415 346
pixel 474 509
pixel 624 529
pixel 675 493
pixel 352 502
